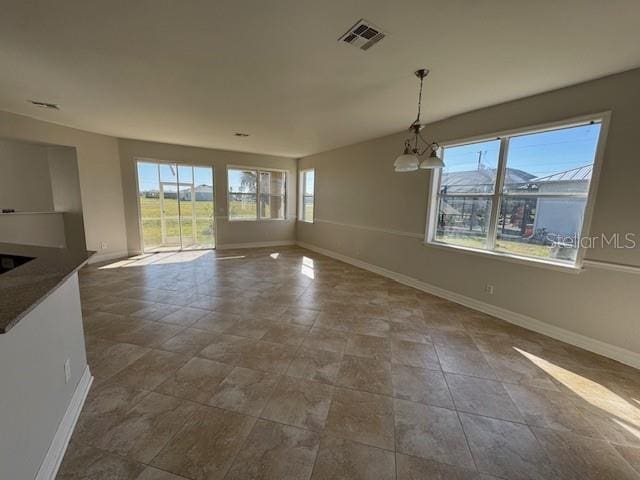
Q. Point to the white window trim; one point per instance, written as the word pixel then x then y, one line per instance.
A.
pixel 301 196
pixel 258 170
pixel 432 206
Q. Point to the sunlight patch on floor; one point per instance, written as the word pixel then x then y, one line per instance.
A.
pixel 628 415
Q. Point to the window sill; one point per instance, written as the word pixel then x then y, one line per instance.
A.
pixel 258 220
pixel 306 221
pixel 531 262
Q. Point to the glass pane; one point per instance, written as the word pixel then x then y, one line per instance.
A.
pixel 541 227
pixel 242 194
pixel 555 161
pixel 149 198
pixel 168 172
pixel 463 221
pixel 308 182
pixel 307 208
pixel 170 218
pixel 204 206
pixel 470 168
pixel 272 187
pixel 185 174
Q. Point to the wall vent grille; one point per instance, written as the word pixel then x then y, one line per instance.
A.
pixel 363 35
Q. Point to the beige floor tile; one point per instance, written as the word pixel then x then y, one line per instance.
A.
pixel 630 454
pixel 83 462
pixel 362 417
pixel 148 334
pixel 550 409
pixel 185 317
pixel 415 468
pixel 318 365
pixel 408 333
pixel 420 385
pixel 147 427
pixel 339 458
pixel 506 449
pixel 286 334
pixel 109 358
pixel 366 374
pixel 369 346
pixel 422 355
pixel 150 370
pixel 300 316
pixel 255 294
pixel 482 397
pixel 267 356
pixel 105 406
pixel 196 380
pixel 431 432
pixel 188 341
pixel 151 473
pixel 155 311
pixel 465 361
pixel 298 402
pixel 244 391
pixel 275 452
pixel 206 445
pixel 583 458
pixel 254 328
pixel 216 322
pixel 227 348
pixel 326 339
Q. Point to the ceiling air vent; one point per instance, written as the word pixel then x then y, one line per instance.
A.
pixel 363 35
pixel 51 106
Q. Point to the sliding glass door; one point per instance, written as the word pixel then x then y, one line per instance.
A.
pixel 176 205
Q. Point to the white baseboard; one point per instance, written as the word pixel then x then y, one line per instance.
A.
pixel 277 243
pixel 52 460
pixel 104 257
pixel 611 351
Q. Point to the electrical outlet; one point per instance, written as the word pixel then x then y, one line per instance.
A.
pixel 488 288
pixel 103 245
pixel 67 370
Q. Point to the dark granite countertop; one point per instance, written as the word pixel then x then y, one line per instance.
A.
pixel 24 287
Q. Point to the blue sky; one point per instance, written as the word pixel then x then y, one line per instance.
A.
pixel 148 175
pixel 539 154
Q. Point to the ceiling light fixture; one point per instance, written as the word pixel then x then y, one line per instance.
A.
pixel 409 161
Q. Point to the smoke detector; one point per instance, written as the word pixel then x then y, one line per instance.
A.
pixel 363 35
pixel 50 106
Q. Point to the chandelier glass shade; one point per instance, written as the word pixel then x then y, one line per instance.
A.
pixel 416 146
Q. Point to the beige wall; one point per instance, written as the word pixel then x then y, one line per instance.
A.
pixel 227 232
pixel 35 395
pixel 99 174
pixel 366 211
pixel 65 187
pixel 25 183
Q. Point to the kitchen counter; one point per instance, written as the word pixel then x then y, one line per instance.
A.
pixel 24 287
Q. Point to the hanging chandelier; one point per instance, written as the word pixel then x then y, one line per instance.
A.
pixel 409 161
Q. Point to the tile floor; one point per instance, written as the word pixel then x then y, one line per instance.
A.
pixel 284 364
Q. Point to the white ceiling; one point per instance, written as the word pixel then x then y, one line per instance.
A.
pixel 194 72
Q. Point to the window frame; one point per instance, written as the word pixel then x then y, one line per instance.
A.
pixel 258 170
pixel 301 195
pixel 498 194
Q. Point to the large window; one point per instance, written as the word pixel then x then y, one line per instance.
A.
pixel 524 194
pixel 256 194
pixel 307 194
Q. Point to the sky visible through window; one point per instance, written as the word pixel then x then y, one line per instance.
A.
pixel 539 154
pixel 148 175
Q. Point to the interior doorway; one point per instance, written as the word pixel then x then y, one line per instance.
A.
pixel 176 206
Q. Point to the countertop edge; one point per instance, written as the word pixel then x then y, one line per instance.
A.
pixel 12 323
